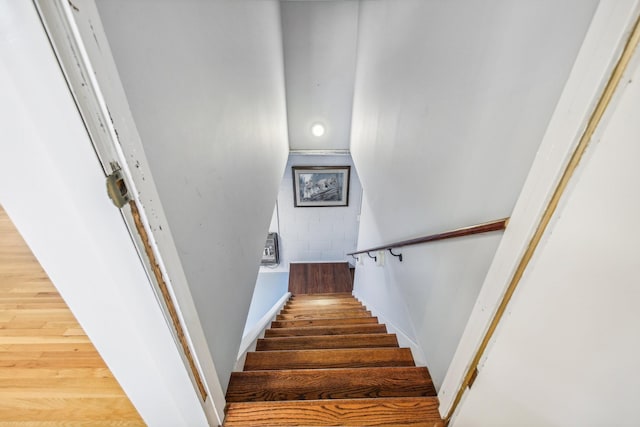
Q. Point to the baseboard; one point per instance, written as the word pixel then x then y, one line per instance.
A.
pixel 250 338
pixel 403 339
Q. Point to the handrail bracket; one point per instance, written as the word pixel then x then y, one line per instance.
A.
pixel 399 256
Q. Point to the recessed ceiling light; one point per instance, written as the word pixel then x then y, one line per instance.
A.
pixel 317 129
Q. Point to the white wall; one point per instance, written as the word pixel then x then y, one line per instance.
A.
pixel 451 103
pixel 205 85
pixel 566 353
pixel 315 234
pixel 270 287
pixel 53 188
pixel 427 297
pixel 603 43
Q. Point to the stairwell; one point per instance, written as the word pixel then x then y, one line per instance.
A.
pixel 326 361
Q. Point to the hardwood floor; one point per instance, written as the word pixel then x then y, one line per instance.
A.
pixel 50 373
pixel 315 278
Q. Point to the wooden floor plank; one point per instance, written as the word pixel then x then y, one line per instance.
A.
pixel 67 423
pixel 50 373
pixel 61 409
pixel 23 373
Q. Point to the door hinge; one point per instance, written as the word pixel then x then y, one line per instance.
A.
pixel 117 187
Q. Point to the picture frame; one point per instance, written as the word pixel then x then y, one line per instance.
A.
pixel 320 186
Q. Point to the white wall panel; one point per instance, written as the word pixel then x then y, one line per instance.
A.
pixel 566 353
pixel 204 81
pixel 451 102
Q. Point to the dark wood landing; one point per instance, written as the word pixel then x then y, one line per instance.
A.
pixel 311 278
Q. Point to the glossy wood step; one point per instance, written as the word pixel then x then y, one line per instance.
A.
pixel 322 311
pixel 323 295
pixel 324 315
pixel 322 300
pixel 298 309
pixel 341 383
pixel 320 359
pixel 326 330
pixel 337 321
pixel 332 341
pixel 323 303
pixel 388 412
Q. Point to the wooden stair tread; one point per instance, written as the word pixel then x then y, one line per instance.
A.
pixel 392 411
pixel 323 309
pixel 334 358
pixel 323 295
pixel 323 322
pixel 326 330
pixel 327 362
pixel 323 315
pixel 321 302
pixel 340 383
pixel 324 341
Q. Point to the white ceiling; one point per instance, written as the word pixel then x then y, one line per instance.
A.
pixel 319 42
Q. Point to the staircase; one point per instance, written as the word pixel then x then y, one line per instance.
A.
pixel 326 361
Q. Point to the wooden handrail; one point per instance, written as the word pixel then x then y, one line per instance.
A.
pixel 486 227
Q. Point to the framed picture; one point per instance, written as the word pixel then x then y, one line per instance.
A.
pixel 320 186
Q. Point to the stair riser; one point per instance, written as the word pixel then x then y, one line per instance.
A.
pixel 324 315
pixel 325 342
pixel 319 359
pixel 326 330
pixel 323 309
pixel 343 300
pixel 324 295
pixel 324 322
